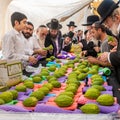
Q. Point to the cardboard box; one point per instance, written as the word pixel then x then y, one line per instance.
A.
pixel 10 72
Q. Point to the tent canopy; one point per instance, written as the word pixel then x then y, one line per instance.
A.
pixel 41 11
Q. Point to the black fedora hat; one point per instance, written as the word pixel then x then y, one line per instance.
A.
pixel 71 23
pixel 106 8
pixel 70 34
pixel 91 19
pixel 54 24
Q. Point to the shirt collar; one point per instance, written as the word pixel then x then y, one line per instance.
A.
pixel 16 32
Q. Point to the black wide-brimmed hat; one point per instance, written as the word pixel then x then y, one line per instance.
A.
pixel 106 8
pixel 71 23
pixel 70 34
pixel 54 24
pixel 91 19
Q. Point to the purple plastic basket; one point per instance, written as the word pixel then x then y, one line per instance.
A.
pixel 45 99
pixel 108 88
pixel 72 57
pixel 64 53
pixel 109 109
pixel 28 91
pixel 62 79
pixel 52 109
pixel 12 88
pixel 22 97
pixel 107 92
pixel 13 108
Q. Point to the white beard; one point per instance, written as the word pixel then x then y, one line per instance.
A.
pixel 115 28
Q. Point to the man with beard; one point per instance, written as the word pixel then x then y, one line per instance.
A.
pixel 32 47
pixel 54 37
pixel 41 34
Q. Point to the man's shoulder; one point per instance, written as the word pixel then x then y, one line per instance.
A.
pixel 9 33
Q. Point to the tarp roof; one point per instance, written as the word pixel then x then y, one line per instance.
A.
pixel 41 11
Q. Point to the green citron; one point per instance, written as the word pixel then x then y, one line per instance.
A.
pixel 2 101
pixel 50 47
pixel 92 93
pixel 6 96
pixel 96 67
pixel 71 89
pixel 48 59
pixel 90 109
pixel 44 73
pixel 30 102
pixel 56 84
pixel 97 83
pixel 48 85
pixel 52 68
pixel 96 76
pixel 20 88
pixel 93 71
pixel 98 79
pixel 99 87
pixel 52 58
pixel 37 94
pixel 29 84
pixel 14 93
pixel 70 94
pixel 106 100
pixel 45 90
pixel 86 69
pixel 82 76
pixel 110 38
pixel 73 81
pixel 63 101
pixel 37 79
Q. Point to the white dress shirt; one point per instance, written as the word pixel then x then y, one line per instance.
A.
pixel 30 45
pixel 13 45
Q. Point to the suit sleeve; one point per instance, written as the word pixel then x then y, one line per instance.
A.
pixel 115 58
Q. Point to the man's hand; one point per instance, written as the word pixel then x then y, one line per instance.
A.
pixel 43 52
pixel 97 61
pixel 32 60
pixel 113 43
pixel 114 49
pixel 103 57
pixel 93 60
pixel 83 53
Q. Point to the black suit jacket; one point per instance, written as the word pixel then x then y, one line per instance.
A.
pixel 89 47
pixel 68 47
pixel 115 61
pixel 48 42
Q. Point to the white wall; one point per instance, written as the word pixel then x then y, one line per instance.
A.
pixel 3 7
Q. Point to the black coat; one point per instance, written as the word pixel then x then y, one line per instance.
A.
pixel 89 47
pixel 48 42
pixel 67 48
pixel 115 61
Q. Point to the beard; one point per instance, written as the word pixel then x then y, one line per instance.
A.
pixel 114 28
pixel 53 36
pixel 27 35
